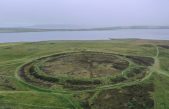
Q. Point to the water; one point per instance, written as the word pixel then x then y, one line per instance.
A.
pixel 161 34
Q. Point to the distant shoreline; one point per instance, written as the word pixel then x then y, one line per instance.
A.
pixel 51 41
pixel 23 30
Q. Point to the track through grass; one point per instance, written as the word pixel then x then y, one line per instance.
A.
pixel 65 98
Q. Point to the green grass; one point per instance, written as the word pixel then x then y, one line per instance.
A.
pixel 15 94
pixel 36 100
pixel 161 91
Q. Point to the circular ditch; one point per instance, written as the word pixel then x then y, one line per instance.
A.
pixel 77 70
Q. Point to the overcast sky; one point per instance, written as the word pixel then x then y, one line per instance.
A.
pixel 84 12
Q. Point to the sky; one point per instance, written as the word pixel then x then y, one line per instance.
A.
pixel 84 12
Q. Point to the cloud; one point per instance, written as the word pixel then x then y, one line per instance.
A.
pixel 85 12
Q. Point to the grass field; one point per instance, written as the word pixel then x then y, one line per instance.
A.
pixel 114 74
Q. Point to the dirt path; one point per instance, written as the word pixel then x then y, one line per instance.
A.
pixel 156 66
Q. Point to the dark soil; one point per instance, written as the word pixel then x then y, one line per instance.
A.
pixel 131 97
pixel 25 73
pixel 118 79
pixel 138 72
pixel 145 61
pixel 164 46
pixel 81 84
pixel 41 77
pixel 147 45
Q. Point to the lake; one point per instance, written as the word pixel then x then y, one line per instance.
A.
pixel 161 34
